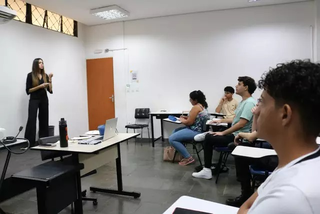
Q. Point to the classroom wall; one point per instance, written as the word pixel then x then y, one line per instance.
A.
pixel 317 31
pixel 63 55
pixel 177 54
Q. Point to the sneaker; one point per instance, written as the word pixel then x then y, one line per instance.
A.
pixel 200 137
pixel 186 161
pixel 200 167
pixel 204 173
pixel 238 201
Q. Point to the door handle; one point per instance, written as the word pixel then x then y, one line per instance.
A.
pixel 112 98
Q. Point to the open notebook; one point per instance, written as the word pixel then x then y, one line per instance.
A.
pixel 209 122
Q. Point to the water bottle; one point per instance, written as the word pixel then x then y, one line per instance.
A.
pixel 63 132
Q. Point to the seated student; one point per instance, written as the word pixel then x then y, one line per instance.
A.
pixel 289 120
pixel 242 163
pixel 197 116
pixel 227 104
pixel 240 123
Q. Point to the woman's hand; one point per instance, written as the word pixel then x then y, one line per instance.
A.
pixel 44 85
pixel 50 77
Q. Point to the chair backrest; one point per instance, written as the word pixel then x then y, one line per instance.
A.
pixel 45 155
pixel 204 125
pixel 142 113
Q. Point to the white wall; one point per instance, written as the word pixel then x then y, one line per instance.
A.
pixel 63 55
pixel 207 51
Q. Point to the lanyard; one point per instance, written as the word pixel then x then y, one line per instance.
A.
pixel 314 155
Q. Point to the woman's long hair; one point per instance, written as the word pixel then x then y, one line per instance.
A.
pixel 36 70
pixel 199 97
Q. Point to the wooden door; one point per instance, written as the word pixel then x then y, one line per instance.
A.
pixel 100 88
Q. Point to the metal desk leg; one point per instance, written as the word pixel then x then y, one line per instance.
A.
pixel 119 181
pixel 78 203
pixel 161 121
pixel 152 130
pixel 3 175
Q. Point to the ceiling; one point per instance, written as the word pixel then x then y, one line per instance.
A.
pixel 139 9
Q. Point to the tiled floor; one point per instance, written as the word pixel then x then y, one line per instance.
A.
pixel 160 183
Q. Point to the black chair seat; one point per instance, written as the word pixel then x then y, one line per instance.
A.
pixel 136 126
pixel 47 172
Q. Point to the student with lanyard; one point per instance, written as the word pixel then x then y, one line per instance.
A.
pixel 289 119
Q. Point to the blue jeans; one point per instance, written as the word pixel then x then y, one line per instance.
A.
pixel 178 136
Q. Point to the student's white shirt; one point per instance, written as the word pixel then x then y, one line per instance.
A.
pixel 292 189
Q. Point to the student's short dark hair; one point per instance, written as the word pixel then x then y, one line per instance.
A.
pixel 297 84
pixel 248 81
pixel 229 89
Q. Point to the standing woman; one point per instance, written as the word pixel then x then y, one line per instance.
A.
pixel 38 83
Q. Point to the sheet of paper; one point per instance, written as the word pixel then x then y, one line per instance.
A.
pixel 93 132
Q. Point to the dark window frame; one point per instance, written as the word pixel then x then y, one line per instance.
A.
pixel 45 24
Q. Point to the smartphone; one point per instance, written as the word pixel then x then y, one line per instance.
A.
pixel 179 210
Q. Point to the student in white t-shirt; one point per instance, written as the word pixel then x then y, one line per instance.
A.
pixel 289 119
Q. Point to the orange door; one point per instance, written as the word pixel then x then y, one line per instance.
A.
pixel 100 91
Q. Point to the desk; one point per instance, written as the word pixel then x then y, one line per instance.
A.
pixel 6 164
pixel 163 115
pixel 93 157
pixel 201 205
pixel 18 142
pixel 252 152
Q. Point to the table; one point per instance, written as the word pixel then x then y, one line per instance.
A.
pixel 201 205
pixel 252 152
pixel 6 164
pixel 18 142
pixel 163 115
pixel 93 157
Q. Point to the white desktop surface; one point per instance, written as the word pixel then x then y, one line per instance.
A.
pixel 78 148
pixel 201 205
pixel 252 152
pixel 19 141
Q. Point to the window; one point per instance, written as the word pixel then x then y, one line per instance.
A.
pixel 37 16
pixel 20 7
pixel 54 21
pixel 68 25
pixel 34 15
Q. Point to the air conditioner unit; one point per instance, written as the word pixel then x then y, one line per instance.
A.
pixel 6 14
